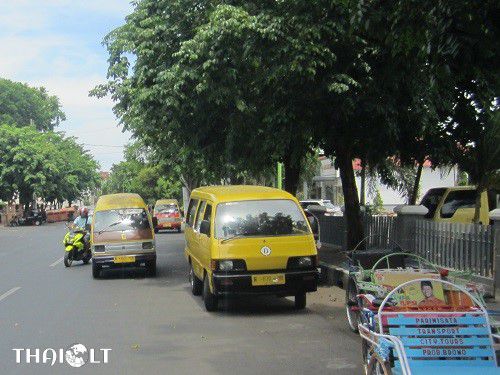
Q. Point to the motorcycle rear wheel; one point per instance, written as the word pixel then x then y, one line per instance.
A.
pixel 68 259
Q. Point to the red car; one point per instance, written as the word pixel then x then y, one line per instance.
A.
pixel 168 215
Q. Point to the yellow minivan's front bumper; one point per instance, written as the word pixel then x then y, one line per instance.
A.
pixel 270 282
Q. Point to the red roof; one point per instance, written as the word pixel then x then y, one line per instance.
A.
pixel 356 164
pixel 104 175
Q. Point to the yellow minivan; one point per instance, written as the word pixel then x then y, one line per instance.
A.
pixel 247 240
pixel 457 204
pixel 122 234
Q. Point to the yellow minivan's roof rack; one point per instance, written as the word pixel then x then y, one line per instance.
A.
pixel 229 193
pixel 121 200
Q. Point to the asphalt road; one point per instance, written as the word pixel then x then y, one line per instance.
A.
pixel 154 325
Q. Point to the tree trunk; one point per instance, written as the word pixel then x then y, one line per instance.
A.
pixel 477 208
pixel 414 193
pixel 362 201
pixel 352 212
pixel 292 173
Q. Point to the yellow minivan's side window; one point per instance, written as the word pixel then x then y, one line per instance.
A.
pixel 199 215
pixel 208 215
pixel 456 200
pixel 193 204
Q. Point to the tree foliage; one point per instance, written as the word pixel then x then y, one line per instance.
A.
pixel 44 165
pixel 139 174
pixel 446 78
pixel 23 105
pixel 238 86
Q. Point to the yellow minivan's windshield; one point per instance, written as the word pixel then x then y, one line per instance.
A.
pixel 259 218
pixel 121 220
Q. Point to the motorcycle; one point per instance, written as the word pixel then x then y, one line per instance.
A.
pixel 75 247
pixel 14 222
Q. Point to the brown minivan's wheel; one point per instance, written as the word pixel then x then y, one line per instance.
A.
pixel 96 271
pixel 151 268
pixel 210 299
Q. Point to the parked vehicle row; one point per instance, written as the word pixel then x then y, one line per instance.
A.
pixel 240 240
pixel 31 217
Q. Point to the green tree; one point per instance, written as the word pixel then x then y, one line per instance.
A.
pixel 44 165
pixel 248 85
pixel 23 105
pixel 76 173
pixel 378 203
pixel 477 150
pixel 138 173
pixel 454 48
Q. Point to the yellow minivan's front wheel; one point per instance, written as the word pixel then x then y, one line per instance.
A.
pixel 211 301
pixel 300 301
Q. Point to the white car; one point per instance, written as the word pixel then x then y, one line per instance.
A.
pixel 331 209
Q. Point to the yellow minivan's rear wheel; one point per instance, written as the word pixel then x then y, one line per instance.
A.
pixel 196 284
pixel 210 299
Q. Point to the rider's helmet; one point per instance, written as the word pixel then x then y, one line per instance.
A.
pixel 84 212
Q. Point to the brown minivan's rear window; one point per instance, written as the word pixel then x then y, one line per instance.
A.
pixel 122 220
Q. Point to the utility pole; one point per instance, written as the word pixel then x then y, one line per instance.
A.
pixel 279 177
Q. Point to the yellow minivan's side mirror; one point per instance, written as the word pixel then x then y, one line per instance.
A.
pixel 205 227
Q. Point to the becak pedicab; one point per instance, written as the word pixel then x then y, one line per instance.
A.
pixel 426 326
pixel 388 272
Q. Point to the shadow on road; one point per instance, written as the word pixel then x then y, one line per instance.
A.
pixel 251 305
pixel 123 273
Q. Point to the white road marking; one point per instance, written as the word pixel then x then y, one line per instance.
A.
pixel 8 293
pixel 57 262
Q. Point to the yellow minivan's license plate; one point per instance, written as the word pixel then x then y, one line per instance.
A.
pixel 124 259
pixel 273 279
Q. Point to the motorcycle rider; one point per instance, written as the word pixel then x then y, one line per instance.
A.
pixel 82 221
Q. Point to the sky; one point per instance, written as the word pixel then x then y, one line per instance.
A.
pixel 57 44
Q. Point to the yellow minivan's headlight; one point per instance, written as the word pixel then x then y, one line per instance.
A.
pixel 302 262
pixel 226 265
